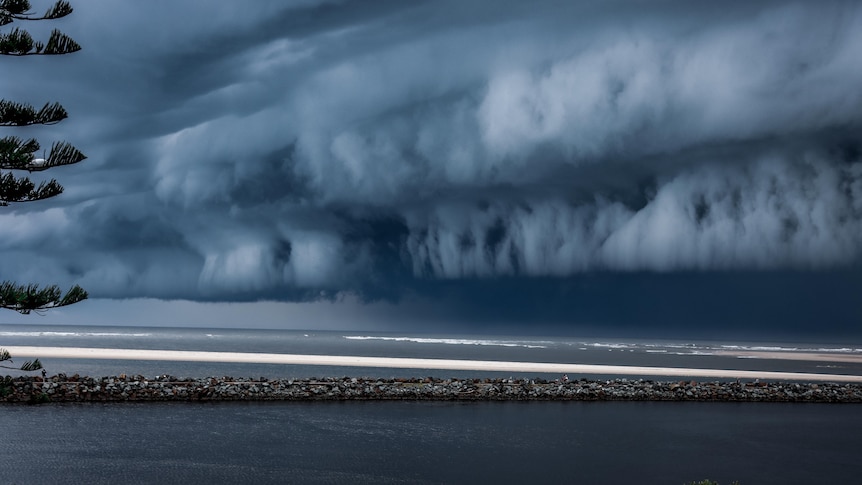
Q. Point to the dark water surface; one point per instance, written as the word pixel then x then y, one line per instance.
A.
pixel 419 442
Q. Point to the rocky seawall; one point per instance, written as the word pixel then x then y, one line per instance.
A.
pixel 61 388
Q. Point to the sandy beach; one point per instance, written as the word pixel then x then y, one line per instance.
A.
pixel 807 356
pixel 409 363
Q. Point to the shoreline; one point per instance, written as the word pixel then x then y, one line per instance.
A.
pixel 788 355
pixel 430 364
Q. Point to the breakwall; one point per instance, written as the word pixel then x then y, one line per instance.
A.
pixel 61 388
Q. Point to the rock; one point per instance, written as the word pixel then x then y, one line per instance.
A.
pixel 138 388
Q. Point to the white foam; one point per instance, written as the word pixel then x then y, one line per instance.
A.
pixel 760 348
pixel 672 346
pixel 38 334
pixel 450 341
pixel 114 334
pixel 605 345
pixel 71 334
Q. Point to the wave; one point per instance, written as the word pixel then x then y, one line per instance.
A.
pixel 605 345
pixel 669 348
pixel 71 334
pixel 647 347
pixel 452 341
pixel 760 348
pixel 709 349
pixel 672 345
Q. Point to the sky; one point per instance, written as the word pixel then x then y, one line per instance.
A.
pixel 620 167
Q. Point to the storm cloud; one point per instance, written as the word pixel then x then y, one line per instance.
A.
pixel 300 150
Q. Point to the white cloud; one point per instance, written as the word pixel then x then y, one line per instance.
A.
pixel 769 214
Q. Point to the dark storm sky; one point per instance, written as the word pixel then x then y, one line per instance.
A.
pixel 623 165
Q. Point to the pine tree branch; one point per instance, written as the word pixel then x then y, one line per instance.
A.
pixel 20 114
pixel 59 44
pixel 13 189
pixel 61 153
pixel 16 43
pixel 13 9
pixel 27 298
pixel 20 10
pixel 28 366
pixel 57 11
pixel 19 43
pixel 15 153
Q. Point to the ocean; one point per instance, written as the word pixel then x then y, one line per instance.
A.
pixel 633 352
pixel 424 442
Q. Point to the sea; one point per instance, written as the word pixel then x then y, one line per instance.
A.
pixel 424 442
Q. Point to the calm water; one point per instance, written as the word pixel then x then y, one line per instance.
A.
pixel 395 442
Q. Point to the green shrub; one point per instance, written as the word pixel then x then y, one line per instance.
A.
pixel 40 398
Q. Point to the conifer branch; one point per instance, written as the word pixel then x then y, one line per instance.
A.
pixel 26 366
pixel 20 114
pixel 58 10
pixel 30 366
pixel 27 298
pixel 19 43
pixel 15 8
pixel 15 153
pixel 59 44
pixel 16 43
pixel 61 153
pixel 14 189
pixel 20 10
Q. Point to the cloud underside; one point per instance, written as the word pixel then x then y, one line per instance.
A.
pixel 372 155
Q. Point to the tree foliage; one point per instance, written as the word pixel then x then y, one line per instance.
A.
pixel 20 154
pixel 25 298
pixel 18 42
pixel 30 365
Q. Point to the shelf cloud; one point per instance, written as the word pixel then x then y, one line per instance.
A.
pixel 304 150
